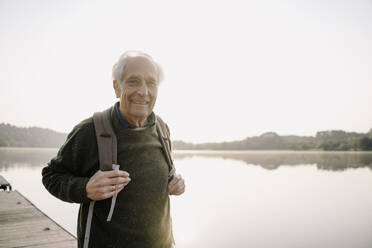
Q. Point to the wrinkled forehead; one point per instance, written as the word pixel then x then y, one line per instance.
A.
pixel 141 67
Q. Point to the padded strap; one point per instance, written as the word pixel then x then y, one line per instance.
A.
pixel 166 143
pixel 107 154
pixel 106 140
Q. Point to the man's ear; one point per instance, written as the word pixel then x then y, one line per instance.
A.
pixel 116 88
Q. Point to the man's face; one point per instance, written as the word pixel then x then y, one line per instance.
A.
pixel 137 90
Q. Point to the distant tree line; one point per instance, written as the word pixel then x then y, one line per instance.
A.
pixel 29 137
pixel 335 140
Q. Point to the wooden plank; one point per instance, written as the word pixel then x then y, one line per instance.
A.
pixel 24 225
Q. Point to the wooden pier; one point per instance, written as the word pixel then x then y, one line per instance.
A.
pixel 24 225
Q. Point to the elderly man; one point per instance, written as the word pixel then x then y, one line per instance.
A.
pixel 141 187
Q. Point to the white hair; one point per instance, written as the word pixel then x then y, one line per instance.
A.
pixel 119 67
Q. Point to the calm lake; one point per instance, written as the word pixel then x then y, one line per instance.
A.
pixel 259 199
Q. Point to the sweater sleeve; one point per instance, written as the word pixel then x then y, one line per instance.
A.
pixel 64 176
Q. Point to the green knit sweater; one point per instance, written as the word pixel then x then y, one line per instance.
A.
pixel 141 216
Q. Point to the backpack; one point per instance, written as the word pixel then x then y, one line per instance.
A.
pixel 107 154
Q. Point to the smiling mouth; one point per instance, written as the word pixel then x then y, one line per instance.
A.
pixel 141 102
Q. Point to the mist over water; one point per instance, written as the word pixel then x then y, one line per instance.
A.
pixel 242 199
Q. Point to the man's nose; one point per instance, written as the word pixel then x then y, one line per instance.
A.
pixel 143 90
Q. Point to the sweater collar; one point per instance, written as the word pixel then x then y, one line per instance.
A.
pixel 126 124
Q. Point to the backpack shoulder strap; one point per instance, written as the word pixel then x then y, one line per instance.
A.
pixel 107 155
pixel 106 140
pixel 165 141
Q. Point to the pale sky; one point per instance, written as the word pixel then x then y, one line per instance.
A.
pixel 232 68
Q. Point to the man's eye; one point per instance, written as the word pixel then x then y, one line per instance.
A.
pixel 151 83
pixel 133 82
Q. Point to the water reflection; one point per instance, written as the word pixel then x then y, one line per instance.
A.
pixel 230 203
pixel 271 160
pixel 25 157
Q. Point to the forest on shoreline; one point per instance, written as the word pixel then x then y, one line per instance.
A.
pixel 333 140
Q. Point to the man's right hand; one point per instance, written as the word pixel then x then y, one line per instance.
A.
pixel 104 184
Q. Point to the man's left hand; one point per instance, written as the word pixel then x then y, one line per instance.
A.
pixel 177 185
